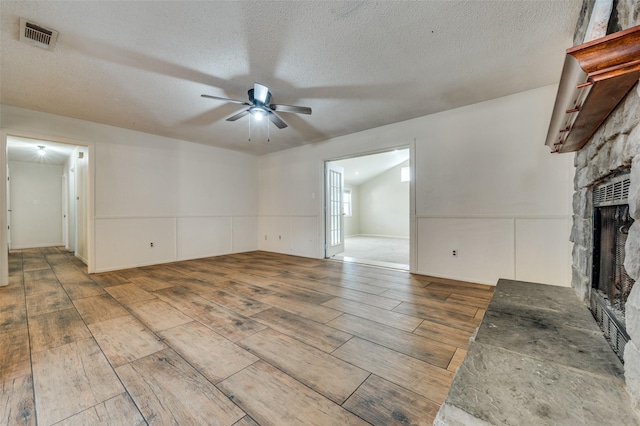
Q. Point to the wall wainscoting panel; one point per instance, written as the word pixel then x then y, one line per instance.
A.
pixel 295 235
pixel 304 241
pixel 543 250
pixel 484 248
pixel 275 234
pixel 489 248
pixel 203 236
pixel 245 234
pixel 126 242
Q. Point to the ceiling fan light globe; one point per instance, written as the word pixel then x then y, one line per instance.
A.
pixel 258 112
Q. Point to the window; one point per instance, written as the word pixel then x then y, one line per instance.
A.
pixel 405 174
pixel 346 202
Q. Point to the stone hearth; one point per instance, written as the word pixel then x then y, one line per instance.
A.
pixel 538 359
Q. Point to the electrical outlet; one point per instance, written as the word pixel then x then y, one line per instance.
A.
pixel 454 253
pixel 151 245
pixel 265 238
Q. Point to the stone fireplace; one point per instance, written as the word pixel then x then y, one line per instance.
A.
pixel 613 152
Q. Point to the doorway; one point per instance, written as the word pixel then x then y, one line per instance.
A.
pixel 373 226
pixel 47 194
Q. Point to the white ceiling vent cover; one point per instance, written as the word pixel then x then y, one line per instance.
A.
pixel 37 35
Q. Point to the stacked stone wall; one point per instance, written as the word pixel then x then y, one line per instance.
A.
pixel 615 146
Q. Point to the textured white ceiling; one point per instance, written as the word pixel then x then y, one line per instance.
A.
pixel 143 65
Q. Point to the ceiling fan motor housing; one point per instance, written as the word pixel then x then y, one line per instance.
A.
pixel 257 102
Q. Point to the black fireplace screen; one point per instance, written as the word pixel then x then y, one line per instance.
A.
pixel 610 280
pixel 611 285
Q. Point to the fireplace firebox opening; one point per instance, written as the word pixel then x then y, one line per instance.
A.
pixel 610 284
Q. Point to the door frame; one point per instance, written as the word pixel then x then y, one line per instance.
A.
pixel 4 253
pixel 4 134
pixel 8 183
pixel 413 229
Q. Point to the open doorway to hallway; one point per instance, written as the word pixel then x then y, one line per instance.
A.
pixel 375 210
pixel 47 195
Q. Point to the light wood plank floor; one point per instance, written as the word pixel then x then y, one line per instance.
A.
pixel 243 339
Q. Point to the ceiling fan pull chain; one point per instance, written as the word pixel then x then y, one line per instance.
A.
pixel 267 120
pixel 249 128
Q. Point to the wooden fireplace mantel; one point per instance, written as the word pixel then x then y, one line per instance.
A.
pixel 595 78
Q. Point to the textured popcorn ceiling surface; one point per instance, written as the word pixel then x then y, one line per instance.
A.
pixel 143 65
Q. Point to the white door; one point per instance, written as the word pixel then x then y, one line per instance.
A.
pixel 8 209
pixel 71 207
pixel 81 193
pixel 334 219
pixel 65 204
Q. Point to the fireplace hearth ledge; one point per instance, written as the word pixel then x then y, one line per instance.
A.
pixel 538 357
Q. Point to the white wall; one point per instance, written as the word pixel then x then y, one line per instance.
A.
pixel 482 169
pixel 36 204
pixel 384 205
pixel 352 223
pixel 190 200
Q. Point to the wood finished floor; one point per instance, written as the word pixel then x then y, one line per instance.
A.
pixel 243 339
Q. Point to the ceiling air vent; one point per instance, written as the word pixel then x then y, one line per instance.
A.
pixel 37 35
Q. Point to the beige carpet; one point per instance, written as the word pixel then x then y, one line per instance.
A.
pixel 374 250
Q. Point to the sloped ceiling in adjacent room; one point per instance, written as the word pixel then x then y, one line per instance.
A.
pixel 359 170
pixel 358 65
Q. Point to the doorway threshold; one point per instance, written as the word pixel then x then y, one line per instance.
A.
pixel 347 259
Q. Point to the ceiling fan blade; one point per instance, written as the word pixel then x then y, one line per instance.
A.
pixel 260 92
pixel 226 99
pixel 238 115
pixel 277 120
pixel 290 108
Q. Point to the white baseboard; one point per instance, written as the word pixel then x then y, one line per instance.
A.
pixel 14 247
pixel 377 236
pixel 456 278
pixel 182 259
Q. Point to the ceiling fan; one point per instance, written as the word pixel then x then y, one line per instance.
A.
pixel 259 106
